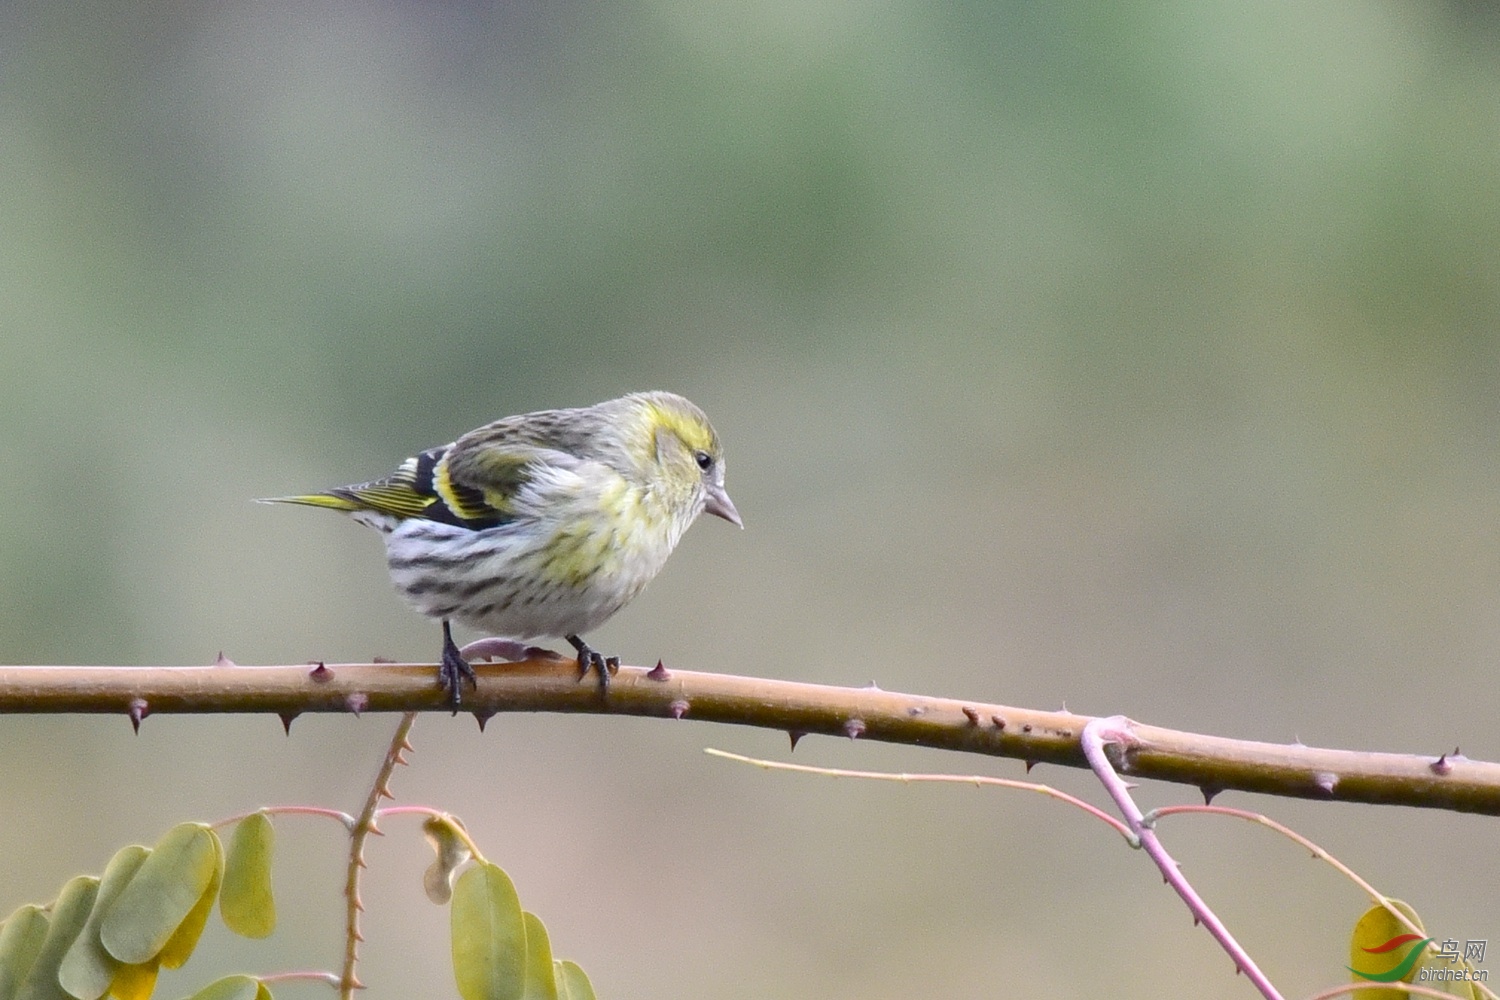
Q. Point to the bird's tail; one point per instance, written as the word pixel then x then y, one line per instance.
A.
pixel 331 501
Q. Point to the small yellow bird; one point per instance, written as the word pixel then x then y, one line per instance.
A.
pixel 544 524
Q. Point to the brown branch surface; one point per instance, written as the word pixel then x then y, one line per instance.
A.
pixel 1212 763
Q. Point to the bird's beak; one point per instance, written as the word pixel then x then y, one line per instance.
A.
pixel 720 505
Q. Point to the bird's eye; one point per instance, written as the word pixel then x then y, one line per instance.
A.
pixel 704 459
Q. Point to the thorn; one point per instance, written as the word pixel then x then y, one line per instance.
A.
pixel 972 714
pixel 796 735
pixel 1326 782
pixel 320 673
pixel 400 758
pixel 381 659
pixel 658 673
pixel 678 708
pixel 854 728
pixel 375 830
pixel 356 702
pixel 1029 765
pixel 1025 727
pixel 354 983
pixel 1210 792
pixel 287 719
pixel 1441 766
pixel 138 711
pixel 916 710
pixel 359 935
pixel 406 745
pixel 224 661
pixel 482 716
pixel 1296 741
pixel 999 722
pixel 1064 709
pixel 872 686
pixel 1196 921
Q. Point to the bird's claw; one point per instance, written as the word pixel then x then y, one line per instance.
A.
pixel 453 670
pixel 591 659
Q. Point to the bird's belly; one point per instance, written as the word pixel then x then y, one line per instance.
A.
pixel 502 581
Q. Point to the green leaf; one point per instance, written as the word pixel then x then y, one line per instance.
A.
pixel 166 889
pixel 245 901
pixel 135 982
pixel 572 984
pixel 230 988
pixel 87 969
pixel 20 941
pixel 541 979
pixel 179 947
pixel 263 992
pixel 69 915
pixel 489 936
pixel 1382 949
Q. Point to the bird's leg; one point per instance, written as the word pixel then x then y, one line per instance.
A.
pixel 591 659
pixel 453 670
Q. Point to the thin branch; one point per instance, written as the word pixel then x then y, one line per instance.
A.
pixel 363 827
pixel 1349 989
pixel 1319 854
pixel 956 779
pixel 1147 821
pixel 1116 731
pixel 339 816
pixel 330 978
pixel 1212 763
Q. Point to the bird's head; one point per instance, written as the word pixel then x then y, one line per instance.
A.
pixel 680 455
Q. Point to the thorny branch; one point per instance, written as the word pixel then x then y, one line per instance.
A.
pixel 364 825
pixel 1212 763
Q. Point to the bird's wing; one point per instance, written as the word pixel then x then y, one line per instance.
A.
pixel 490 476
pixel 425 486
pixel 509 471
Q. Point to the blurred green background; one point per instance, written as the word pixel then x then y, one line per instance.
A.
pixel 1138 358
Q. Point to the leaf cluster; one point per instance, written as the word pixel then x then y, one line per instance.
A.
pixel 109 936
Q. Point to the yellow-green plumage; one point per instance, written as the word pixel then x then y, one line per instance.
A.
pixel 544 524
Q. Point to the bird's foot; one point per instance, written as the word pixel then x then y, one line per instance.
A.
pixel 591 659
pixel 497 647
pixel 453 670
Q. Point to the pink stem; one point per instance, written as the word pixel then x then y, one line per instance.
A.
pixel 1116 729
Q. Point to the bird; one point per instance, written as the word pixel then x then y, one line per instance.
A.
pixel 541 525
